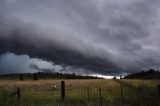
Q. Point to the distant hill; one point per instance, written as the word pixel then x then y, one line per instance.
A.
pixel 45 75
pixel 148 74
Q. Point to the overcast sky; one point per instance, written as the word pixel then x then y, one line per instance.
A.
pixel 81 36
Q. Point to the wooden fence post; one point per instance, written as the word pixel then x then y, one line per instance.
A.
pixel 158 86
pixel 63 89
pixel 17 93
pixel 121 84
pixel 88 94
pixel 100 96
pixel 139 88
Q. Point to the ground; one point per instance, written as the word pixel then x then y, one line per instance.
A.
pixel 98 92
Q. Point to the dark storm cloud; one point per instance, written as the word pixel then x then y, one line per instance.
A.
pixel 99 36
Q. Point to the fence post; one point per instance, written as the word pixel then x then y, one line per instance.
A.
pixel 139 88
pixel 63 89
pixel 100 96
pixel 88 95
pixel 122 96
pixel 158 86
pixel 17 93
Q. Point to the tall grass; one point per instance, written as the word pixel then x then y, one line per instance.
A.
pixel 44 93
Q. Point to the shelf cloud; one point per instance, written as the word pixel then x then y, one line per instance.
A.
pixel 88 36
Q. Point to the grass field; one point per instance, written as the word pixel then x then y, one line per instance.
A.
pixel 80 93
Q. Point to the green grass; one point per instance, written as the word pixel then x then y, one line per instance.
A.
pixel 42 93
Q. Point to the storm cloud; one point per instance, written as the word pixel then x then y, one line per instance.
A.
pixel 94 36
pixel 11 63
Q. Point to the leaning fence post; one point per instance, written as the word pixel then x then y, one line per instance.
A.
pixel 17 93
pixel 100 96
pixel 63 89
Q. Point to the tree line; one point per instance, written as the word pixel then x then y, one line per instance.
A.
pixel 146 74
pixel 44 75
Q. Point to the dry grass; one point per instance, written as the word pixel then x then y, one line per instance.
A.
pixel 45 84
pixel 43 92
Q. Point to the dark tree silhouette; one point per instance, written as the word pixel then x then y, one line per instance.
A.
pixel 21 77
pixel 148 74
pixel 35 76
